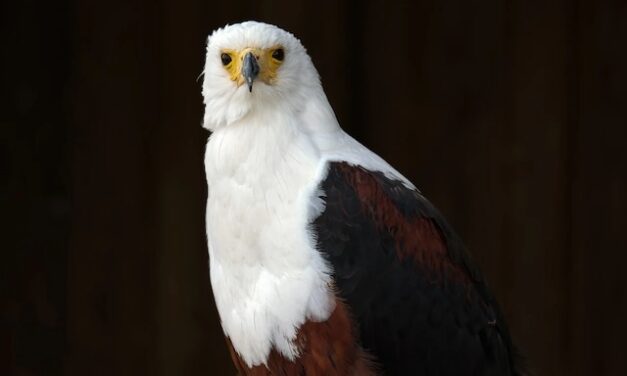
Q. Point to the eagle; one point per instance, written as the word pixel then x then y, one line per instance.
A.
pixel 324 259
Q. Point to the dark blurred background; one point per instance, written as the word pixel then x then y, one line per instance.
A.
pixel 510 115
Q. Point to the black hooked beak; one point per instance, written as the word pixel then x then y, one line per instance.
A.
pixel 250 69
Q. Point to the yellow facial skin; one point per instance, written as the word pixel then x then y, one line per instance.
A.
pixel 268 65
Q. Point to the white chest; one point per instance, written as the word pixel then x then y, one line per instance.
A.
pixel 266 275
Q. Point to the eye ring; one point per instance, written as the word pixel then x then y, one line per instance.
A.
pixel 226 59
pixel 278 54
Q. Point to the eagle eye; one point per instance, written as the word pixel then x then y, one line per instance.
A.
pixel 226 59
pixel 278 54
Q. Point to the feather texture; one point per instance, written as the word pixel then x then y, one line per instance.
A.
pixel 421 306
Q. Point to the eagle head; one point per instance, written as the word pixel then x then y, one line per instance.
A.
pixel 255 67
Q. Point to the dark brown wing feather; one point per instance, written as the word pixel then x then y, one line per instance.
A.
pixel 421 306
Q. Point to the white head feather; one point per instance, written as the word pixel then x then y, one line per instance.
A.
pixel 227 103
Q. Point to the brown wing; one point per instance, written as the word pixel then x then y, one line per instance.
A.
pixel 421 306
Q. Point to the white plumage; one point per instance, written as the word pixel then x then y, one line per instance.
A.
pixel 264 161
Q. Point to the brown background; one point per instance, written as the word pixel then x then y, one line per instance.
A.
pixel 510 115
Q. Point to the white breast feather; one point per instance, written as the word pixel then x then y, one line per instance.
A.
pixel 266 274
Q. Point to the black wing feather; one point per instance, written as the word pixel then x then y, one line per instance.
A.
pixel 414 316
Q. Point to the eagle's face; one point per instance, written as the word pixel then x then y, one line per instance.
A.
pixel 254 66
pixel 253 63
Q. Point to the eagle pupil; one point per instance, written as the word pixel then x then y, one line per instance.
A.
pixel 278 54
pixel 226 59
